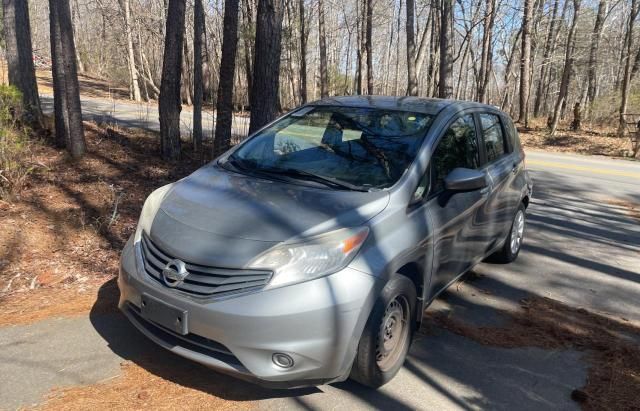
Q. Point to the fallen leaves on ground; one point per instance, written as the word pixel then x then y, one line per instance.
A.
pixel 604 142
pixel 135 389
pixel 612 346
pixel 62 236
pixel 633 210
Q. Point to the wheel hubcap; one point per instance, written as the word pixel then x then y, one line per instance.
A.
pixel 394 330
pixel 517 232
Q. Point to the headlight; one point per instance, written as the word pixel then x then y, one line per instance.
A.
pixel 149 210
pixel 317 257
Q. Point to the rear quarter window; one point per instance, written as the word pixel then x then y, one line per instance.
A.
pixel 512 133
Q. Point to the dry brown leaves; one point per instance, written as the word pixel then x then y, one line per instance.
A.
pixel 611 346
pixel 587 141
pixel 62 236
pixel 633 210
pixel 89 86
pixel 137 389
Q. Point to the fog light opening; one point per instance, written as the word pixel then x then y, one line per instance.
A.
pixel 282 360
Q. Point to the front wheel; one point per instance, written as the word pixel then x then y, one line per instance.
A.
pixel 387 335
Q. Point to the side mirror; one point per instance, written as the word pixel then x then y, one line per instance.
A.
pixel 465 179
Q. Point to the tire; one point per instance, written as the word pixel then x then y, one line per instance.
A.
pixel 375 363
pixel 513 243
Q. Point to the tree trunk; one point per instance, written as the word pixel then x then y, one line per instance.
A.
pixel 424 44
pixel 435 51
pixel 133 72
pixel 626 80
pixel 487 50
pixel 593 52
pixel 248 49
pixel 369 46
pixel 303 54
pixel 170 101
pixel 576 124
pixel 544 67
pixel 60 111
pixel 70 112
pixel 266 66
pixel 412 79
pixel 198 77
pixel 566 71
pixel 322 43
pixel 507 72
pixel 525 63
pixel 224 104
pixel 445 82
pixel 360 24
pixel 19 54
pixel 187 83
pixel 75 12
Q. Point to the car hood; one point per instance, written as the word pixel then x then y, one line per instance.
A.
pixel 221 215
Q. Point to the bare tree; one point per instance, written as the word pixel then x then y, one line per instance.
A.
pixel 603 5
pixel 224 105
pixel 134 87
pixel 303 53
pixel 322 44
pixel 525 63
pixel 627 67
pixel 198 77
pixel 60 112
pixel 487 50
pixel 566 71
pixel 19 54
pixel 67 108
pixel 549 47
pixel 170 101
pixel 266 66
pixel 445 82
pixel 412 78
pixel 361 27
pixel 368 45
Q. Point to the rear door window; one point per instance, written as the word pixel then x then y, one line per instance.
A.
pixel 493 136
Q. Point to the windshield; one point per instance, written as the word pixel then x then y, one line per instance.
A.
pixel 355 147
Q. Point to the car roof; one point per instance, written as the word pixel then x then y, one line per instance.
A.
pixel 431 106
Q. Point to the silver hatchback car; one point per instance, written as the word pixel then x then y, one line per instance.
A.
pixel 307 254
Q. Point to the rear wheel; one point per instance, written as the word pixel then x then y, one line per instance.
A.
pixel 387 335
pixel 513 243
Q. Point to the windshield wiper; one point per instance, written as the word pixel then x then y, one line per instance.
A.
pixel 301 174
pixel 252 167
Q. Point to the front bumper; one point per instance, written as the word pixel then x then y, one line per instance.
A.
pixel 317 323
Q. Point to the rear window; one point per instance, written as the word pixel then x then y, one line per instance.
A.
pixel 493 136
pixel 512 134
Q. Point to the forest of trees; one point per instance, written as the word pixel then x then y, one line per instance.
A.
pixel 536 59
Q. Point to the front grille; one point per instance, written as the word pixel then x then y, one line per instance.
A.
pixel 203 281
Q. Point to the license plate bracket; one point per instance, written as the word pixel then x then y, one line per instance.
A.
pixel 166 315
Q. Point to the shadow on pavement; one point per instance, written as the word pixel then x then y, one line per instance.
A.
pixel 127 342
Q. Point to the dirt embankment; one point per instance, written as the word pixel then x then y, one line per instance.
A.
pixel 589 140
pixel 62 235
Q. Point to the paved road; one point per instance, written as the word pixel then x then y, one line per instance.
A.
pixel 143 115
pixel 582 248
